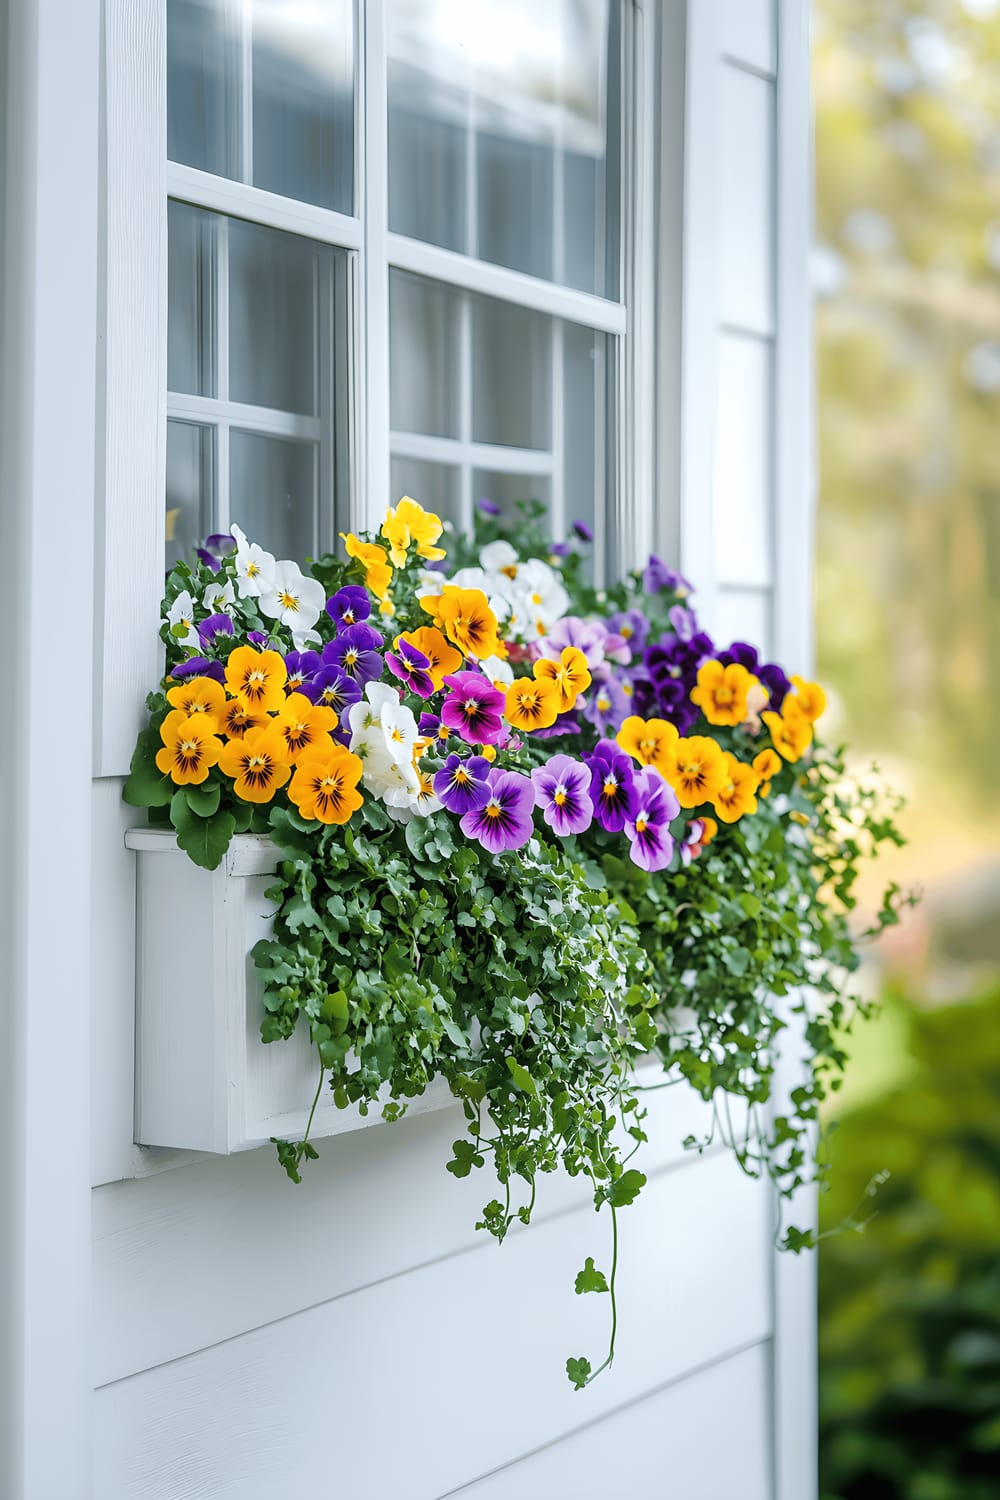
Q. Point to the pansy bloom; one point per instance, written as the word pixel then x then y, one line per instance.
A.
pixel 303 724
pixel 473 707
pixel 258 677
pixel 466 619
pixel 198 666
pixel 190 748
pixel 410 666
pixel 569 675
pixel 767 765
pixel 632 626
pixel 612 786
pixel 649 741
pixel 738 793
pixel 587 636
pixel 722 691
pixel 209 630
pixel 325 784
pixel 258 763
pixel 696 770
pixel 409 522
pixel 334 688
pixel 237 718
pixel 809 698
pixel 505 819
pixel 606 705
pixel 651 846
pixel 562 793
pixel 349 606
pixel 355 651
pixel 378 573
pixel 531 704
pixel 441 658
pixel 791 732
pixel 656 576
pixel 199 695
pixel 300 666
pixel 431 728
pixel 463 785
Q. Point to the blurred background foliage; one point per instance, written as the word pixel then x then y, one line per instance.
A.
pixel 907 280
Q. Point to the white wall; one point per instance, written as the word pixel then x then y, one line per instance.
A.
pixel 354 1337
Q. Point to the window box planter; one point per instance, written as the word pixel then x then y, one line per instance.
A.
pixel 204 1079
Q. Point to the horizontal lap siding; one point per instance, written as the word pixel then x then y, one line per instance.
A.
pixel 415 1385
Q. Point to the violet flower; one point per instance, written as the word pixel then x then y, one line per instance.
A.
pixel 198 666
pixel 220 543
pixel 632 626
pixel 301 666
pixel 208 558
pixel 355 652
pixel 612 786
pixel 349 606
pixel 559 549
pixel 583 531
pixel 431 728
pixel 566 723
pixel 656 576
pixel 683 622
pixel 651 846
pixel 411 666
pixel 258 637
pixel 474 707
pixel 463 785
pixel 488 507
pixel 587 635
pixel 606 706
pixel 214 626
pixel 333 688
pixel 770 674
pixel 562 791
pixel 505 820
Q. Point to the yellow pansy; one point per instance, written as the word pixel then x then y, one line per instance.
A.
pixel 791 732
pixel 258 763
pixel 442 659
pixel 238 717
pixel 695 769
pixel 190 748
pixel 304 724
pixel 466 619
pixel 258 677
pixel 767 765
pixel 325 784
pixel 722 692
pixel 809 698
pixel 532 703
pixel 570 676
pixel 738 793
pixel 378 573
pixel 649 741
pixel 407 523
pixel 199 695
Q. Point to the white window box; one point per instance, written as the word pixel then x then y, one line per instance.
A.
pixel 204 1080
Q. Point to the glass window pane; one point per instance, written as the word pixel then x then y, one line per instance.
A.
pixel 190 297
pixel 190 487
pixel 506 490
pixel 274 317
pixel 303 100
pixel 516 101
pixel 425 356
pixel 203 57
pixel 273 492
pixel 435 486
pixel 586 453
pixel 511 375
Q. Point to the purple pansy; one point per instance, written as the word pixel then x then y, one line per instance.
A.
pixel 770 674
pixel 349 606
pixel 567 723
pixel 333 688
pixel 562 791
pixel 683 622
pixel 587 636
pixel 672 665
pixel 431 728
pixel 560 549
pixel 301 666
pixel 651 846
pixel 488 507
pixel 214 626
pixel 198 666
pixel 505 819
pixel 208 558
pixel 411 666
pixel 583 531
pixel 656 576
pixel 632 626
pixel 612 786
pixel 474 707
pixel 607 705
pixel 463 785
pixel 355 651
pixel 258 637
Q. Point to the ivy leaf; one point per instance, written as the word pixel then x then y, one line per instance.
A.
pixel 205 840
pixel 520 1075
pixel 590 1279
pixel 578 1371
pixel 146 785
pixel 626 1188
pixel 204 799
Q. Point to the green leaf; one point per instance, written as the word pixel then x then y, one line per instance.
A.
pixel 204 840
pixel 578 1371
pixel 750 903
pixel 336 1009
pixel 520 1075
pixel 146 785
pixel 590 1279
pixel 204 799
pixel 626 1188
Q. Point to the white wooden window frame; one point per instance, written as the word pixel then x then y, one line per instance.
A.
pixel 139 182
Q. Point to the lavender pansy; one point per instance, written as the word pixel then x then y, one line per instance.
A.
pixel 656 576
pixel 632 626
pixel 651 846
pixel 612 786
pixel 562 792
pixel 683 622
pixel 505 819
pixel 587 636
pixel 333 688
pixel 463 785
pixel 606 706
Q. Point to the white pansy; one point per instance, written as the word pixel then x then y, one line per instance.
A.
pixel 430 585
pixel 500 557
pixel 291 598
pixel 473 578
pixel 254 566
pixel 541 591
pixel 302 640
pixel 218 595
pixel 400 730
pixel 365 714
pixel 497 670
pixel 181 612
pixel 394 781
pixel 419 804
pixel 383 727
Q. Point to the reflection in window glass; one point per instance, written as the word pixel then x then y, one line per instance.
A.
pixel 425 356
pixel 511 375
pixel 274 492
pixel 274 316
pixel 506 490
pixel 190 297
pixel 203 61
pixel 190 487
pixel 515 104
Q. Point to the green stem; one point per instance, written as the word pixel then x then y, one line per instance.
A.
pixel 305 1139
pixel 612 1288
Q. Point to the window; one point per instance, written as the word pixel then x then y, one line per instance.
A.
pixel 394 258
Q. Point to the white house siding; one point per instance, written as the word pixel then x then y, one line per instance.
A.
pixel 354 1337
